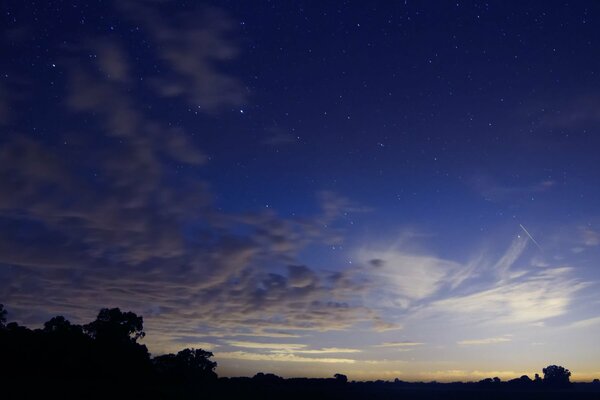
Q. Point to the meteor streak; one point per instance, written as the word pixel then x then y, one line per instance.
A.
pixel 530 237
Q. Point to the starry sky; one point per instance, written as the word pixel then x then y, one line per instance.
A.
pixel 403 189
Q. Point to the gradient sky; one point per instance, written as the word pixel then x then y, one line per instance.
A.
pixel 399 189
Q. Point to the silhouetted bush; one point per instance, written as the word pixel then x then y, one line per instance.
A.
pixel 2 316
pixel 267 378
pixel 188 365
pixel 556 375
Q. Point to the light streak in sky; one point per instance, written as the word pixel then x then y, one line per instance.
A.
pixel 530 237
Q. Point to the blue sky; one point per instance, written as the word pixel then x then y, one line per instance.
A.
pixel 383 190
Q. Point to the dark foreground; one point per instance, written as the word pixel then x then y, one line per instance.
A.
pixel 312 389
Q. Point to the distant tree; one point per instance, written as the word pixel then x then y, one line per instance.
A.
pixel 115 351
pixel 116 326
pixel 596 381
pixel 341 378
pixel 497 380
pixel 522 380
pixel 196 364
pixel 188 364
pixel 556 375
pixel 270 378
pixel 60 324
pixel 2 316
pixel 66 349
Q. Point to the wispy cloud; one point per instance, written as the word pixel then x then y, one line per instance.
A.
pixel 5 111
pixel 399 344
pixel 493 190
pixel 571 112
pixel 507 290
pixel 193 47
pixel 281 357
pixel 280 139
pixel 492 340
pixel 503 266
pixel 585 323
pixel 590 237
pixel 535 296
pixel 409 276
pixel 273 346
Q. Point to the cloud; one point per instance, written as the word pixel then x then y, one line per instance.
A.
pixel 399 344
pixel 289 348
pixel 193 48
pixel 532 297
pixel 280 139
pixel 493 190
pixel 574 112
pixel 5 112
pixel 417 287
pixel 503 266
pixel 492 340
pixel 328 350
pixel 281 357
pixel 274 346
pixel 590 237
pixel 585 323
pixel 112 61
pixel 406 277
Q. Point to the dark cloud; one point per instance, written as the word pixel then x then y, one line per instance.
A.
pixel 280 139
pixel 376 262
pixel 193 47
pixel 4 105
pixel 112 61
pixel 494 190
pixel 577 111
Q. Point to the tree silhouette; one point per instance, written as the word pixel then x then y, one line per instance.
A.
pixel 116 326
pixel 2 316
pixel 341 378
pixel 66 349
pixel 188 364
pixel 116 353
pixel 267 378
pixel 556 375
pixel 60 324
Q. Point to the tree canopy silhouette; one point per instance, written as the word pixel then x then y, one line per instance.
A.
pixel 556 375
pixel 116 326
pixel 187 365
pixel 61 325
pixel 2 316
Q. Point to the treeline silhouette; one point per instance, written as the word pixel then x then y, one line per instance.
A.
pixel 104 359
pixel 104 355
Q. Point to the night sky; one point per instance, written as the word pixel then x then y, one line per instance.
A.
pixel 387 189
